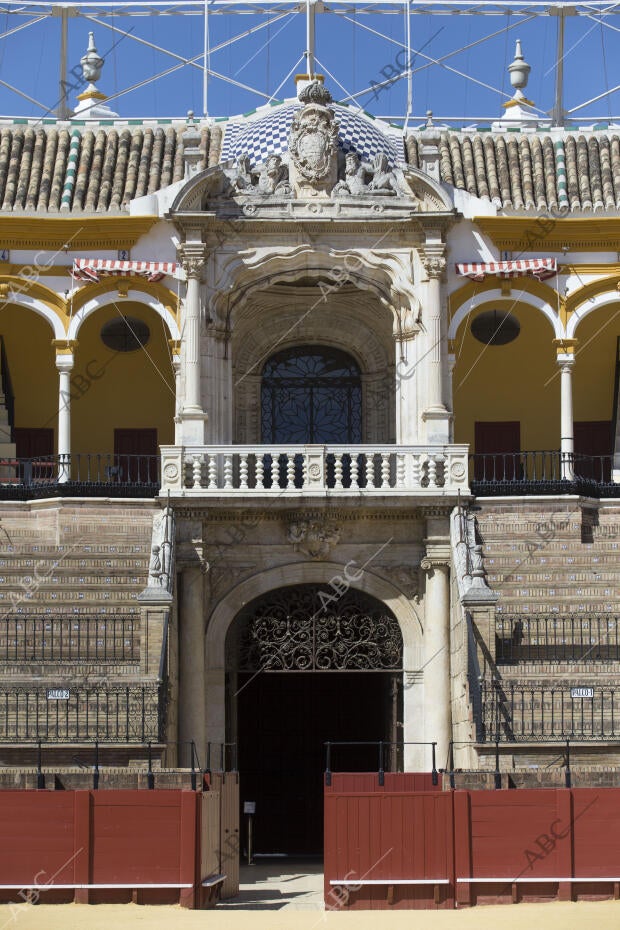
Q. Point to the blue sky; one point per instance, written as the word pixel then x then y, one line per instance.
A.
pixel 354 56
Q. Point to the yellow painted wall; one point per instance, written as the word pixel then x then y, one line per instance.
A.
pixel 31 357
pixel 518 381
pixel 595 364
pixel 130 390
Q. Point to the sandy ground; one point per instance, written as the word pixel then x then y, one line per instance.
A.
pixel 271 899
pixel 603 915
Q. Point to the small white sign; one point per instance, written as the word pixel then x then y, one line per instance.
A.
pixel 58 694
pixel 582 692
pixel 249 807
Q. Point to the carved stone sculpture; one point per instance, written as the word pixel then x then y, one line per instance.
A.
pixel 315 538
pixel 273 178
pixel 354 181
pixel 313 143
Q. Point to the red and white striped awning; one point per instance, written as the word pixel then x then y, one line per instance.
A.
pixel 92 269
pixel 540 268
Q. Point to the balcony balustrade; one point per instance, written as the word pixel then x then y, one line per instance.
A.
pixel 314 470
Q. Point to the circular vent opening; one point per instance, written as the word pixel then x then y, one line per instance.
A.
pixel 495 328
pixel 125 334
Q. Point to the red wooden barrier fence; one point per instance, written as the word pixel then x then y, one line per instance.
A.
pixel 394 847
pixel 92 846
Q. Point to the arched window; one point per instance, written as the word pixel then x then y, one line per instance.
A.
pixel 311 394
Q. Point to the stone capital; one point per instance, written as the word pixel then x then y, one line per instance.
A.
pixel 193 257
pixel 434 262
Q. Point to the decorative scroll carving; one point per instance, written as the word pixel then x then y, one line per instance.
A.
pixel 291 630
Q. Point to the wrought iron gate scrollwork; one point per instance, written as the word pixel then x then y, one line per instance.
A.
pixel 296 629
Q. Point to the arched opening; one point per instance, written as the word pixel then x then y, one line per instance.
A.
pixel 596 379
pixel 30 382
pixel 506 389
pixel 123 387
pixel 305 666
pixel 311 394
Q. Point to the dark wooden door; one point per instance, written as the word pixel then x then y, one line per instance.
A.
pixel 31 442
pixel 497 445
pixel 284 720
pixel 593 438
pixel 135 454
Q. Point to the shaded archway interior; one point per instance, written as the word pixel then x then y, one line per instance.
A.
pixel 306 666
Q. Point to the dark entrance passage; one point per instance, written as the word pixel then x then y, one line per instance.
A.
pixel 303 671
pixel 284 720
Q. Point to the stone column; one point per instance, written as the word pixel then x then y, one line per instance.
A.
pixel 435 415
pixel 64 364
pixel 406 375
pixel 567 444
pixel 437 689
pixel 192 414
pixel 192 721
pixel 175 353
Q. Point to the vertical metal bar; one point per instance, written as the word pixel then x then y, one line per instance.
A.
pixel 409 68
pixel 557 114
pixel 63 108
pixel 150 778
pixel 193 751
pixel 451 764
pixel 40 775
pixel 567 775
pixel 328 759
pixel 381 769
pixel 434 768
pixel 96 770
pixel 205 62
pixel 310 26
pixel 497 778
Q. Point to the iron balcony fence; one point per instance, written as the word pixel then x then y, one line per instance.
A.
pixel 78 475
pixel 511 714
pixel 131 714
pixel 557 639
pixel 540 472
pixel 70 639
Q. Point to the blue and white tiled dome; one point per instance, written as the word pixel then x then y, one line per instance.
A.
pixel 260 136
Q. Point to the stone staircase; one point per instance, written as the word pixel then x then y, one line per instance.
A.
pixel 554 563
pixel 71 623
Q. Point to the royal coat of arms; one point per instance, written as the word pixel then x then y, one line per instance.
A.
pixel 313 140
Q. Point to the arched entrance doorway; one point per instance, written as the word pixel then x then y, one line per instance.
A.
pixel 305 667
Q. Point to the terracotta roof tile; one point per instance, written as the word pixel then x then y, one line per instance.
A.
pixel 531 171
pixel 80 169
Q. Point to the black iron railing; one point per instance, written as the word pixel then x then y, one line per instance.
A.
pixel 557 639
pixel 132 714
pixel 69 639
pixel 80 474
pixel 511 714
pixel 541 472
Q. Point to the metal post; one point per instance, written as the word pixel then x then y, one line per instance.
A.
pixel 451 764
pixel 434 768
pixel 567 775
pixel 205 71
pixel 310 25
pixel 381 769
pixel 62 111
pixel 40 775
pixel 409 68
pixel 96 769
pixel 150 778
pixel 328 759
pixel 208 768
pixel 498 777
pixel 193 750
pixel 558 114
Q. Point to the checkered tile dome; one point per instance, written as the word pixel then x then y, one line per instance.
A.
pixel 260 136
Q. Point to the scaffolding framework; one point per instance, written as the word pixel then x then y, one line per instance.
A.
pixel 116 16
